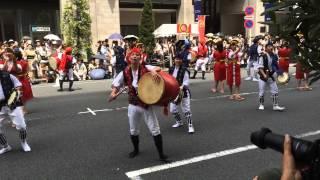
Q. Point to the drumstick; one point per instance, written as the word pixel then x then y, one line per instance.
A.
pixel 120 92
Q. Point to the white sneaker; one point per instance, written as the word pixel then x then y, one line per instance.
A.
pixel 255 79
pixel 278 108
pixel 261 107
pixel 248 78
pixel 177 124
pixel 191 129
pixel 25 146
pixel 5 149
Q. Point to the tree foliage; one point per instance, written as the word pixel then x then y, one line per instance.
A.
pixel 146 27
pixel 301 17
pixel 76 26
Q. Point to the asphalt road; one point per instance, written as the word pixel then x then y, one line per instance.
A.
pixel 70 142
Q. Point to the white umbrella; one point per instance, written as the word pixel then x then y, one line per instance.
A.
pixel 130 37
pixel 52 37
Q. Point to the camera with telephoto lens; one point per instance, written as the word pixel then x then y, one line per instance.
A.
pixel 305 153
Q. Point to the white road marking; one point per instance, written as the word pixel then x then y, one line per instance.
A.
pixel 242 94
pixel 78 83
pixel 101 110
pixel 92 112
pixel 137 173
pixel 200 99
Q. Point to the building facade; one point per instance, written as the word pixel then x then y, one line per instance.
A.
pixel 36 18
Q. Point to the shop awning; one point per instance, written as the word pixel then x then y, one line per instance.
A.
pixel 168 30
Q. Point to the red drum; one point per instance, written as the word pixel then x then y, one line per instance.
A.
pixel 161 93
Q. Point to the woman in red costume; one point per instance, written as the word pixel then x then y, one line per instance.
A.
pixel 302 75
pixel 284 54
pixel 15 65
pixel 219 67
pixel 24 78
pixel 233 72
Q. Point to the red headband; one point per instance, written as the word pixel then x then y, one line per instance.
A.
pixel 68 50
pixel 135 50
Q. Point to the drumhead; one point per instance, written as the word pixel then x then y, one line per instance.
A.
pixel 150 92
pixel 52 63
pixel 284 78
pixel 12 98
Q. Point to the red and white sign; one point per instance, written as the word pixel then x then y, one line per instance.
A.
pixel 248 24
pixel 202 28
pixel 184 28
pixel 249 11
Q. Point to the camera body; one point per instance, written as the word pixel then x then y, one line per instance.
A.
pixel 304 152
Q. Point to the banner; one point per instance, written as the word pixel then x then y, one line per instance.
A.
pixel 202 28
pixel 267 16
pixel 197 9
pixel 184 28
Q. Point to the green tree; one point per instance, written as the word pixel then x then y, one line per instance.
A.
pixel 303 17
pixel 76 27
pixel 146 27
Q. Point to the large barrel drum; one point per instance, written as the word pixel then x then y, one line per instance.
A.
pixel 161 93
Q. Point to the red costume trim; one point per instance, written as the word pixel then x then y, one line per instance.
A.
pixel 133 95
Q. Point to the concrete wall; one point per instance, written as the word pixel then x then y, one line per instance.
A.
pixel 186 12
pixel 105 16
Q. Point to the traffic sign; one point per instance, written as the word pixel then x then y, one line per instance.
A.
pixel 249 11
pixel 248 17
pixel 248 23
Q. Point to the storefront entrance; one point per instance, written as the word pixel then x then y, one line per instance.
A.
pixel 8 28
pixel 21 18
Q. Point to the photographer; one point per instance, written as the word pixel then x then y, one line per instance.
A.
pixel 289 169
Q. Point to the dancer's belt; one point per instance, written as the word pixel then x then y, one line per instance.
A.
pixel 221 61
pixel 285 58
pixel 233 61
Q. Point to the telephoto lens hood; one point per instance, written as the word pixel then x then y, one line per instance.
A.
pixel 303 151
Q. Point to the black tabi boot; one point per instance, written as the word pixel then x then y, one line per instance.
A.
pixel 3 140
pixel 70 86
pixel 194 75
pixel 158 143
pixel 61 85
pixel 135 142
pixel 203 75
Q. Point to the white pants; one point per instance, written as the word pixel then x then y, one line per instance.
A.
pixel 201 63
pixel 272 85
pixel 135 113
pixel 63 74
pixel 16 116
pixel 81 75
pixel 185 105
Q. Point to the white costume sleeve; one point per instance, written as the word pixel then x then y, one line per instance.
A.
pixel 260 62
pixel 16 82
pixel 231 54
pixel 260 49
pixel 186 79
pixel 150 67
pixel 118 80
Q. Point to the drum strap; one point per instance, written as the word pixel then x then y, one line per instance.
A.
pixel 6 83
pixel 266 67
pixel 7 87
pixel 180 75
pixel 128 78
